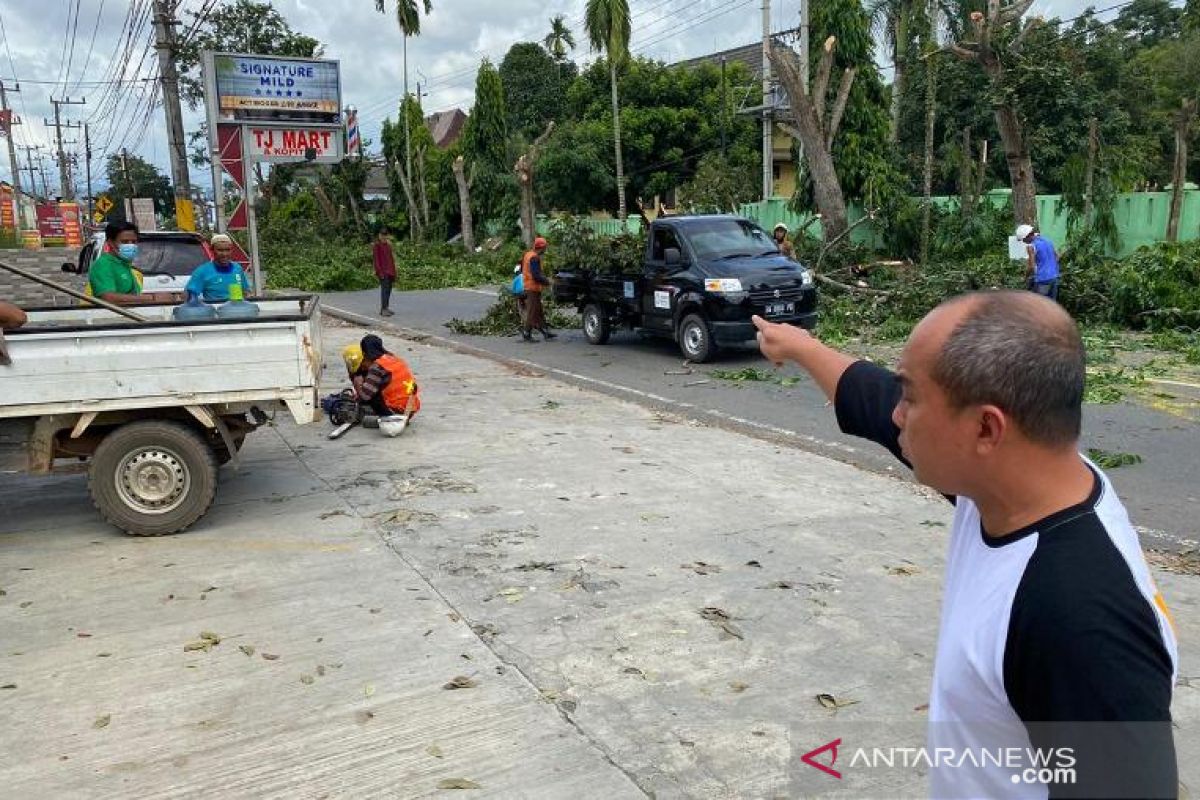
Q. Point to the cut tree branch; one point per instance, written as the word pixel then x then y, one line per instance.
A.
pixel 821 84
pixel 839 106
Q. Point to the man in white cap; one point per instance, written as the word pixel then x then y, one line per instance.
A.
pixel 212 279
pixel 1041 271
pixel 781 240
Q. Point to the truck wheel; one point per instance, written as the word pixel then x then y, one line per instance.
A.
pixel 695 339
pixel 595 324
pixel 152 478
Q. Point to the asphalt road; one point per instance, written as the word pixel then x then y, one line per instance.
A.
pixel 1162 493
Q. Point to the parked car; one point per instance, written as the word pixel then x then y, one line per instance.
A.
pixel 702 279
pixel 166 258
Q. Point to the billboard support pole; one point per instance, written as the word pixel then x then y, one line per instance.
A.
pixel 250 161
pixel 214 150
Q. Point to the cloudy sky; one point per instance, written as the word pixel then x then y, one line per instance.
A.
pixel 42 38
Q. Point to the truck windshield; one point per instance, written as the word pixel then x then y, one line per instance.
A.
pixel 728 238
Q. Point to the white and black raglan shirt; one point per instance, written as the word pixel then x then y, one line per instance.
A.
pixel 1053 638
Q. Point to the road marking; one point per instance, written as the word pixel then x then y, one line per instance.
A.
pixel 475 291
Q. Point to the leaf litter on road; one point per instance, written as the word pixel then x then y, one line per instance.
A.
pixel 722 621
pixel 460 682
pixel 458 783
pixel 701 568
pixel 102 721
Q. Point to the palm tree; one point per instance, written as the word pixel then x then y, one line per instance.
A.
pixel 560 39
pixel 408 16
pixel 893 20
pixel 608 28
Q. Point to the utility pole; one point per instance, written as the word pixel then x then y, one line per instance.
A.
pixel 804 27
pixel 164 42
pixel 30 149
pixel 10 121
pixel 64 174
pixel 125 170
pixel 87 161
pixel 768 118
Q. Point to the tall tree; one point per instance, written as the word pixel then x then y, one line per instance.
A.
pixel 534 87
pixel 135 177
pixel 408 17
pixel 485 145
pixel 559 40
pixel 816 126
pixel 997 40
pixel 608 27
pixel 894 21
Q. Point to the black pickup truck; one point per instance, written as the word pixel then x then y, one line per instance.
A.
pixel 702 280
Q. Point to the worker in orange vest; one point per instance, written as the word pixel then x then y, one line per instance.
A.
pixel 534 316
pixel 389 387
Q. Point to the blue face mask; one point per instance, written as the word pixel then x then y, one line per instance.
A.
pixel 128 251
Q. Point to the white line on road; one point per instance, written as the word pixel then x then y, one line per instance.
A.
pixel 475 291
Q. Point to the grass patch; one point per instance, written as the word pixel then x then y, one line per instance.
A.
pixel 1108 459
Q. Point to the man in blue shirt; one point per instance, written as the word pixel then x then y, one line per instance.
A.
pixel 1041 273
pixel 212 279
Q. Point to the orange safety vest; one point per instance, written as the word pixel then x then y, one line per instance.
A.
pixel 402 384
pixel 531 284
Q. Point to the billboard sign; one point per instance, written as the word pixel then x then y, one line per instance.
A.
pixel 294 144
pixel 276 89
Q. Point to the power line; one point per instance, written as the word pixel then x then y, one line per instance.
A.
pixel 91 46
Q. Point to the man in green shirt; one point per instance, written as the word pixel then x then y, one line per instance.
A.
pixel 112 276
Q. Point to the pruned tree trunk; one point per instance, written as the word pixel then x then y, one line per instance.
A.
pixel 422 189
pixel 331 211
pixel 464 204
pixel 816 130
pixel 414 219
pixel 1183 124
pixel 1012 136
pixel 966 177
pixel 524 169
pixel 1020 165
pixel 616 109
pixel 899 71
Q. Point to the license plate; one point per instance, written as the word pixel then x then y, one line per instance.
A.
pixel 774 309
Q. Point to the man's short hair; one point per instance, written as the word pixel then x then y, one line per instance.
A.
pixel 1026 359
pixel 114 229
pixel 372 346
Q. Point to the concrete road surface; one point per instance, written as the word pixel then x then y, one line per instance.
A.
pixel 1162 493
pixel 635 605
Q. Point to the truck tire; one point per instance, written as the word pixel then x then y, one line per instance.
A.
pixel 153 478
pixel 595 324
pixel 695 339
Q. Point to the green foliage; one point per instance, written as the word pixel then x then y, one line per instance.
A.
pixel 671 118
pixel 608 27
pixel 408 15
pixel 503 319
pixel 576 246
pixel 1158 287
pixel 560 39
pixel 485 138
pixel 721 184
pixel 1109 459
pixel 534 86
pixel 135 177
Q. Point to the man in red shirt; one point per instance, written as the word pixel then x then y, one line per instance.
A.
pixel 385 270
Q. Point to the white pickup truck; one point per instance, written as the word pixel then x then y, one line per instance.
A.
pixel 152 408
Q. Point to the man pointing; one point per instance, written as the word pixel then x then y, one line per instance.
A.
pixel 1053 635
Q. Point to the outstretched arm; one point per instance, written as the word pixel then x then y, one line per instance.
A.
pixel 782 342
pixel 11 316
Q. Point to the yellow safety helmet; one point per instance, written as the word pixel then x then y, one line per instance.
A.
pixel 352 355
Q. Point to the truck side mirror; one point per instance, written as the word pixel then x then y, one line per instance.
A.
pixel 672 257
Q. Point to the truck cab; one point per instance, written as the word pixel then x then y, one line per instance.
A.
pixel 702 279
